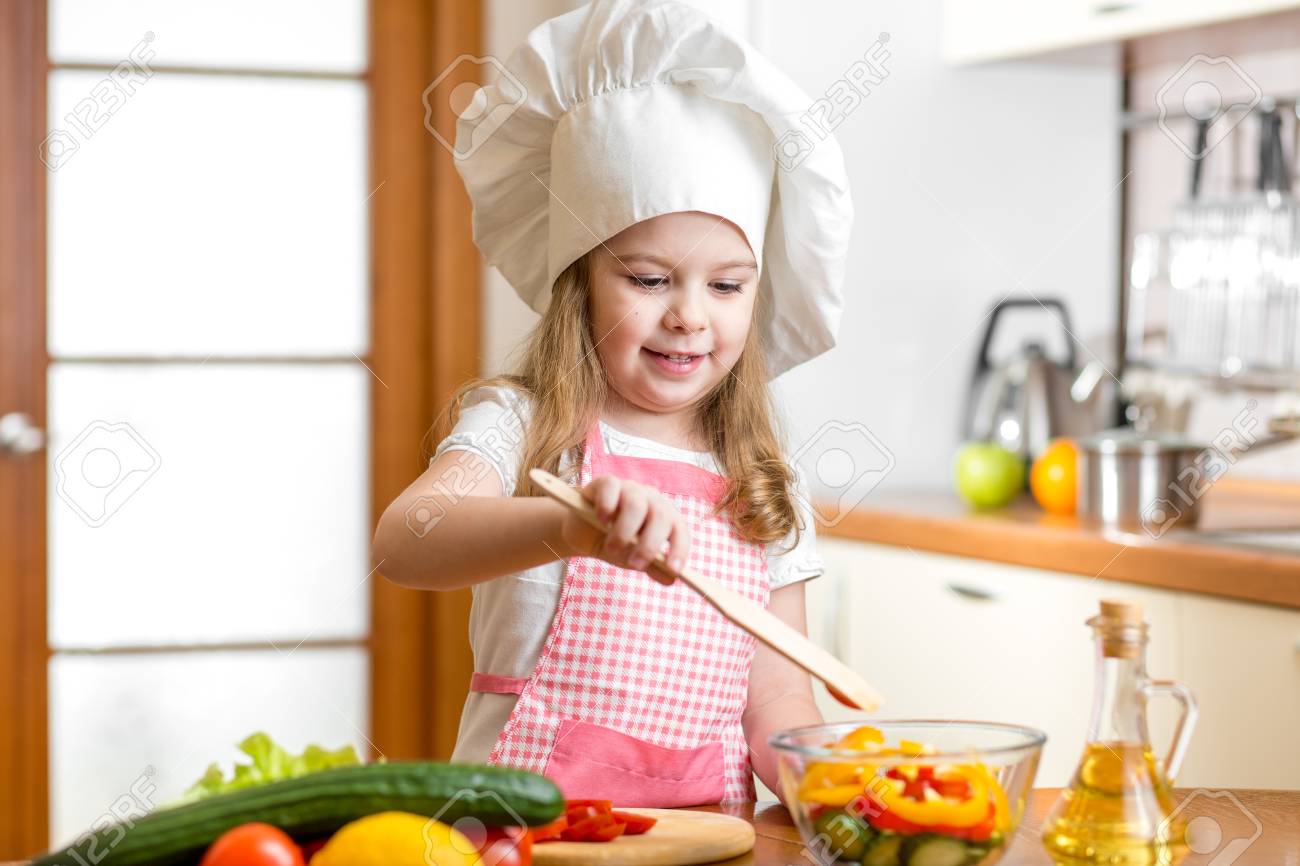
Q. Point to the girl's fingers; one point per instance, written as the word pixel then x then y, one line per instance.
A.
pixel 640 524
pixel 603 493
pixel 654 535
pixel 679 545
pixel 632 507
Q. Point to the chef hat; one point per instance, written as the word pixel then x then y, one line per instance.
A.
pixel 625 110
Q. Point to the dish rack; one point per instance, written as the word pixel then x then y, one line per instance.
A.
pixel 1217 295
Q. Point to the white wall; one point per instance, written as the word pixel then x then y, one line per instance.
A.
pixel 967 183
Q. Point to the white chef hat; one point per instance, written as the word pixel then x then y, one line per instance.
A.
pixel 624 110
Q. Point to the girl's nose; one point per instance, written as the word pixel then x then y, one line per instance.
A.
pixel 686 311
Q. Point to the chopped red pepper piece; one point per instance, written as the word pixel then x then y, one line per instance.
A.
pixel 506 846
pixel 954 787
pixel 581 813
pixel 887 820
pixel 592 821
pixel 636 824
pixel 599 805
pixel 585 830
pixel 551 830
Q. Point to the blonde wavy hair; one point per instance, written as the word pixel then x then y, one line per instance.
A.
pixel 566 385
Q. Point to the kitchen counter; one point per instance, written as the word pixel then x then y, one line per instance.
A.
pixel 1238 814
pixel 1277 814
pixel 1247 546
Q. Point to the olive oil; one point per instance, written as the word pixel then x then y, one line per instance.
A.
pixel 1118 809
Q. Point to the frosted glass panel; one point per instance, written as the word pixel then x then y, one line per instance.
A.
pixel 320 35
pixel 209 216
pixel 196 503
pixel 115 718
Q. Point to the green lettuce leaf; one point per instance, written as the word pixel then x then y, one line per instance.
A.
pixel 269 763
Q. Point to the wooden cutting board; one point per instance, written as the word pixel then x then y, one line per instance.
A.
pixel 681 838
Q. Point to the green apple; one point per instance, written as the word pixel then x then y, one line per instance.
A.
pixel 988 475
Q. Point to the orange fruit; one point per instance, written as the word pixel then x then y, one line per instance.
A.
pixel 1053 477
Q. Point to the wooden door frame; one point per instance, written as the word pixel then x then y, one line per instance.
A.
pixel 425 330
pixel 426 314
pixel 23 654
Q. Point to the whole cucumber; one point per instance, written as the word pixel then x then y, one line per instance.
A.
pixel 316 805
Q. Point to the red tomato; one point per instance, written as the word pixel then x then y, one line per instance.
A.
pixel 506 846
pixel 253 845
pixel 636 824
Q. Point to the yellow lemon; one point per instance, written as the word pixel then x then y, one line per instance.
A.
pixel 396 839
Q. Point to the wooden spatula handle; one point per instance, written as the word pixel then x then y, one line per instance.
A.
pixel 754 619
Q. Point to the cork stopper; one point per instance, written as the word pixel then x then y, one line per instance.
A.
pixel 1121 627
pixel 1122 610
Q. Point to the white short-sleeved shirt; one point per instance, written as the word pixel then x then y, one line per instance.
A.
pixel 511 615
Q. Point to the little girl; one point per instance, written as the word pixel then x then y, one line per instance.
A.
pixel 642 177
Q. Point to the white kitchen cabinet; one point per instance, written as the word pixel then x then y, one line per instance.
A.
pixel 980 30
pixel 1243 662
pixel 957 638
pixel 954 638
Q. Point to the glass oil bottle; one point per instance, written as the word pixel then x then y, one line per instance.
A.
pixel 1118 809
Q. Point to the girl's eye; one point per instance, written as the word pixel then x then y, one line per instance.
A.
pixel 728 288
pixel 647 282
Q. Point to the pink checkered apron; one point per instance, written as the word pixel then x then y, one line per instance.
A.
pixel 639 690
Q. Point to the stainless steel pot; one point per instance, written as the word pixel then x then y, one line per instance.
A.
pixel 1153 483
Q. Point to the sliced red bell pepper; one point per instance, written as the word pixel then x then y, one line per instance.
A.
pixel 506 846
pixel 887 820
pixel 636 824
pixel 551 830
pixel 599 805
pixel 585 830
pixel 592 821
pixel 952 787
pixel 581 813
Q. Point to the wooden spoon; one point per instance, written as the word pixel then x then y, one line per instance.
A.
pixel 844 684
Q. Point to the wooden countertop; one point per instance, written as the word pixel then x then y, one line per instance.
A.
pixel 1213 559
pixel 1277 843
pixel 1270 818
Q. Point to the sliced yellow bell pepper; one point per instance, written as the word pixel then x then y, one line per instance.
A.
pixel 1001 809
pixel 864 738
pixel 934 809
pixel 826 774
pixel 837 796
pixel 915 749
pixel 823 775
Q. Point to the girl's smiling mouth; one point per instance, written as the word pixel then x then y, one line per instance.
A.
pixel 674 363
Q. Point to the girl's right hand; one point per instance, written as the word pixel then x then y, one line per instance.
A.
pixel 641 522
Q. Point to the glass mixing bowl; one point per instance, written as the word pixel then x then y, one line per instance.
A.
pixel 908 792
